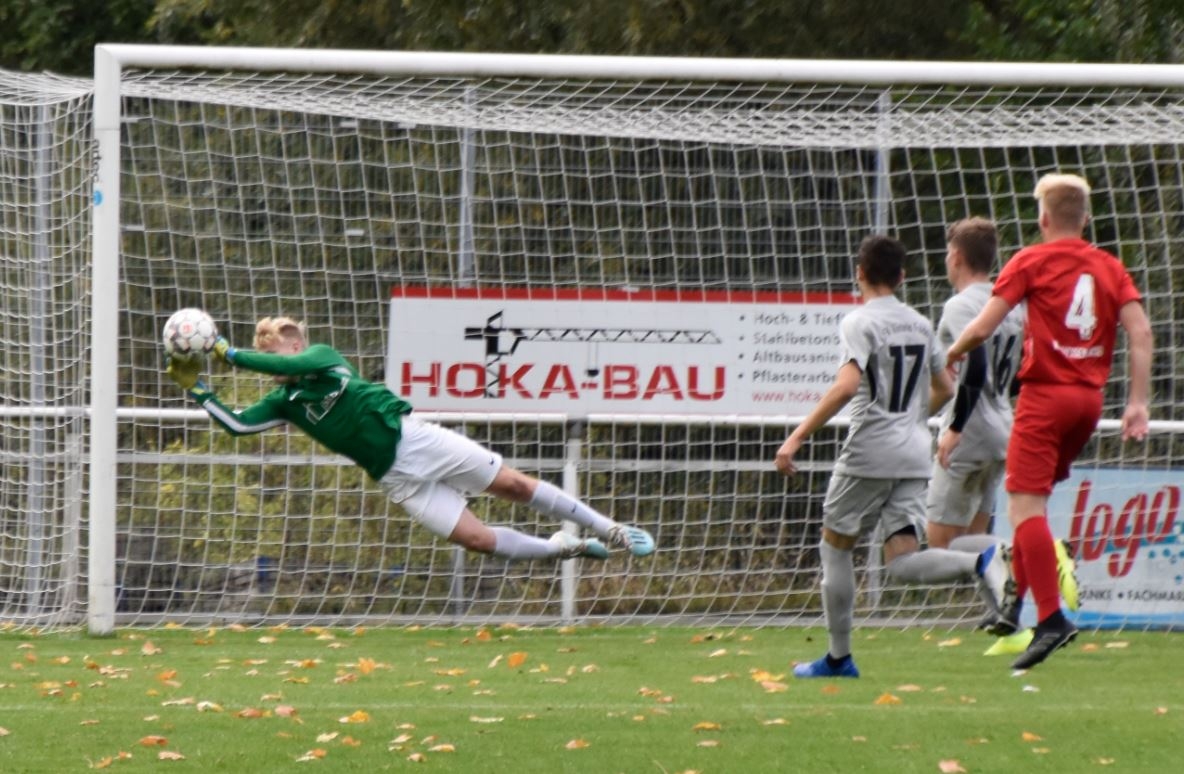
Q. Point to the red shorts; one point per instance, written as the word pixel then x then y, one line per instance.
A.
pixel 1053 422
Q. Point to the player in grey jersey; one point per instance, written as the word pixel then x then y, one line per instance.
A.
pixel 893 374
pixel 972 445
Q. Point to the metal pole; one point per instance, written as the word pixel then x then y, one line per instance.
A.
pixel 568 580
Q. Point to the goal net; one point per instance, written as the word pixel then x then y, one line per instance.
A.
pixel 45 175
pixel 327 186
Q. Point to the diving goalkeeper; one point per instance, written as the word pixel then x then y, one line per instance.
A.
pixel 427 469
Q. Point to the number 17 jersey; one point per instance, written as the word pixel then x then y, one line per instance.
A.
pixel 896 351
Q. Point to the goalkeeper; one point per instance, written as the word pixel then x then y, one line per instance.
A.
pixel 429 470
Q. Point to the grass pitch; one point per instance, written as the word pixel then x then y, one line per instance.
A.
pixel 659 700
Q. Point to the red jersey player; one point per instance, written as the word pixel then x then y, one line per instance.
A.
pixel 1077 296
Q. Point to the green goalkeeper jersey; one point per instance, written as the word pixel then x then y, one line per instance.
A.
pixel 327 400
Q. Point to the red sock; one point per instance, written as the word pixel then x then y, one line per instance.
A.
pixel 1034 541
pixel 1017 571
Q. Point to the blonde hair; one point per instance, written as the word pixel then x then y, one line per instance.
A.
pixel 270 330
pixel 1065 198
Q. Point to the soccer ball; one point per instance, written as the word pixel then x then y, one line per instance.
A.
pixel 189 332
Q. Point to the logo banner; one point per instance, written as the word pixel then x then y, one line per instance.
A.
pixel 1128 535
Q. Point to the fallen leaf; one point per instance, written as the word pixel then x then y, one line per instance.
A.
pixel 775 722
pixel 417 757
pixel 888 699
pixel 326 737
pixel 153 741
pixel 830 690
pixel 909 688
pixel 953 642
pixel 442 748
pixel 708 743
pixel 950 767
pixel 285 711
pixel 477 719
pixel 312 755
pixel 1028 736
pixel 1118 645
pixel 1104 761
pixel 357 716
pixel 1161 710
pixel 516 659
pixel 772 686
pixel 577 744
pixel 169 755
pixel 148 649
pixel 706 726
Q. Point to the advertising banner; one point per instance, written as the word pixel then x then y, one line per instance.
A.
pixel 586 351
pixel 1126 529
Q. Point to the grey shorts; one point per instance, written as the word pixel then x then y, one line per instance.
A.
pixel 966 488
pixel 435 473
pixel 853 505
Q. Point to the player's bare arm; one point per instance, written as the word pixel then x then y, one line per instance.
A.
pixel 941 389
pixel 979 329
pixel 1135 417
pixel 841 391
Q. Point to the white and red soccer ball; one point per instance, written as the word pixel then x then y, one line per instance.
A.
pixel 189 332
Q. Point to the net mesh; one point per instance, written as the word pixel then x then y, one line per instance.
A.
pixel 44 329
pixel 313 195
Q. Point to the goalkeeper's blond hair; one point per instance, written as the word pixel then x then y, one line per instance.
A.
pixel 1065 199
pixel 271 330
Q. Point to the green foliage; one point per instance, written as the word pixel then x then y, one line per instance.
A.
pixel 1076 30
pixel 60 35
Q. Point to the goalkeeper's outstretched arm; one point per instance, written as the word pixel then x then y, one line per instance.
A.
pixel 254 419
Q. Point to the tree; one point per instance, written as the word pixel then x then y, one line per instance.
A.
pixel 60 35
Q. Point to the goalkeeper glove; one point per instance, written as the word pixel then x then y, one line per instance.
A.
pixel 223 351
pixel 184 371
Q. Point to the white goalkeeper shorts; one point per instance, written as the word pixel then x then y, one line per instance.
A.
pixel 435 473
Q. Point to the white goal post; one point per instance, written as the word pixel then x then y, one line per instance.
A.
pixel 252 182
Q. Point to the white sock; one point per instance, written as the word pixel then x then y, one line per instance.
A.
pixel 552 501
pixel 838 597
pixel 512 544
pixel 933 565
